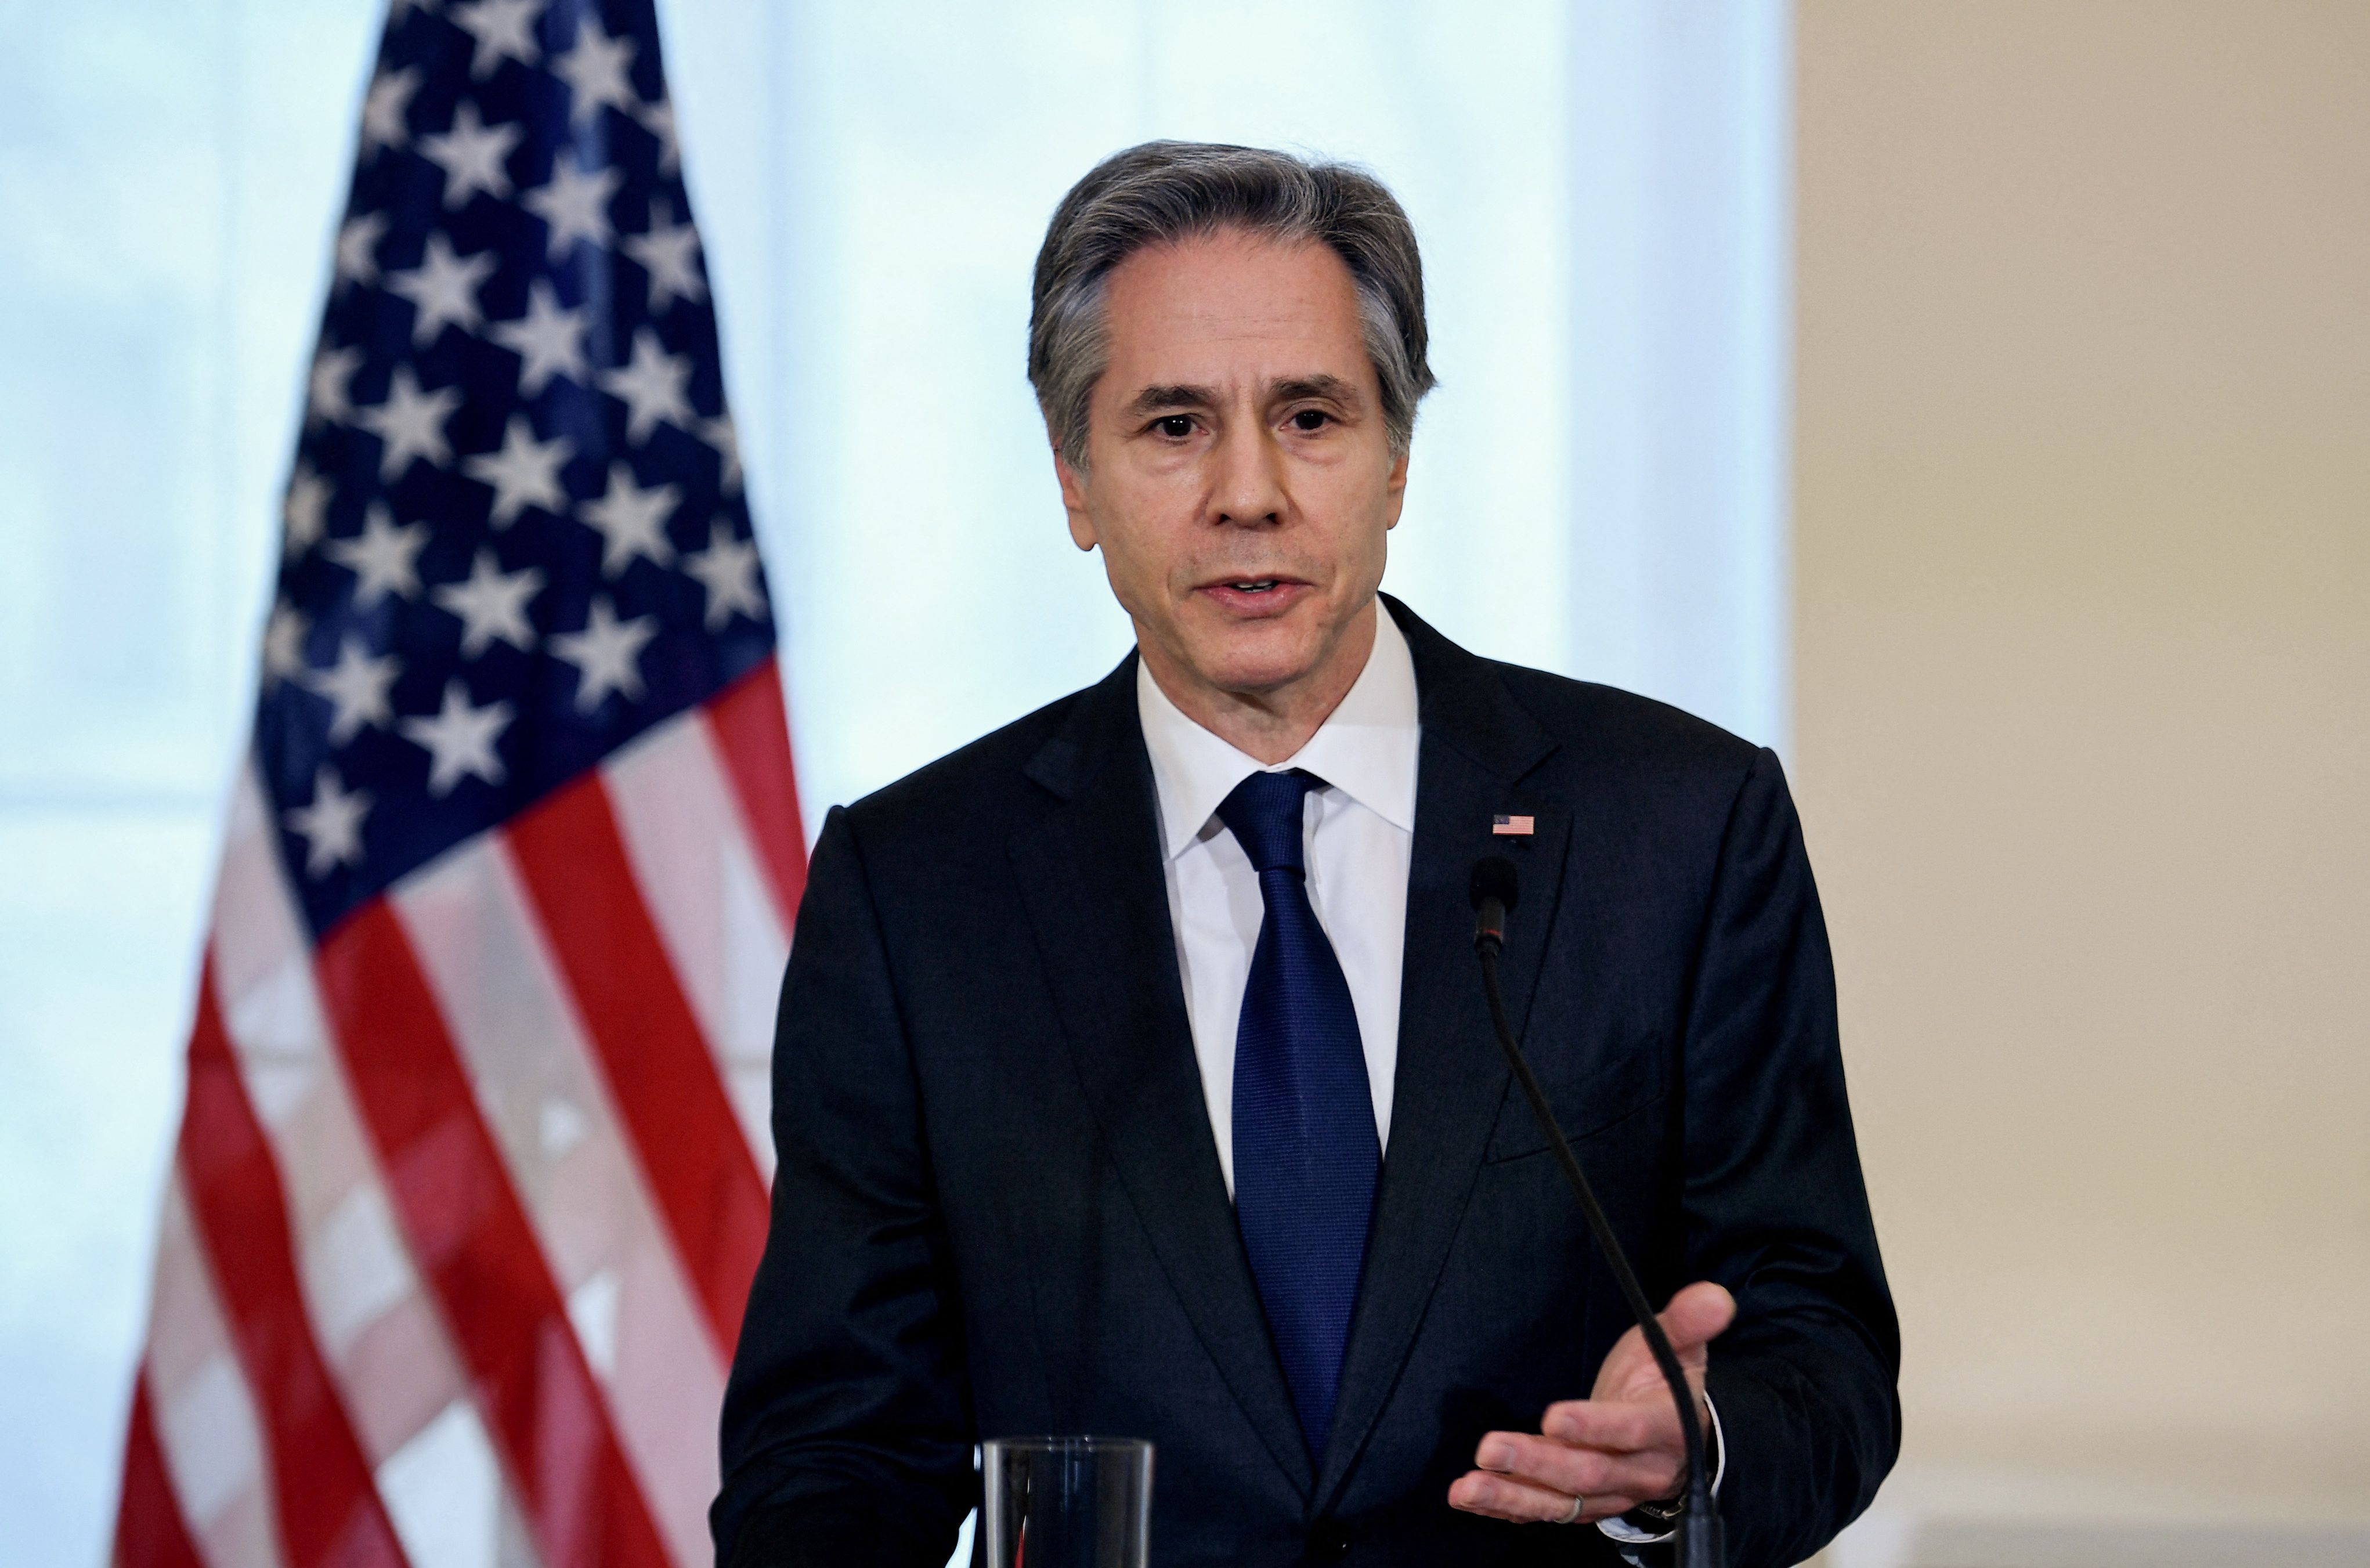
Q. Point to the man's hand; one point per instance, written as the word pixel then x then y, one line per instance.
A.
pixel 1615 1450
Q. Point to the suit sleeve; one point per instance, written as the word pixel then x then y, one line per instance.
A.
pixel 846 1431
pixel 1775 1207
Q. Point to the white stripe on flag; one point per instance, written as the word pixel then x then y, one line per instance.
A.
pixel 207 1425
pixel 543 1097
pixel 444 1492
pixel 384 1343
pixel 699 877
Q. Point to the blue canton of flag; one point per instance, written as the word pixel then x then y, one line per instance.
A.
pixel 515 535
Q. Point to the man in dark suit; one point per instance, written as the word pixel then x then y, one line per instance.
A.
pixel 1134 1073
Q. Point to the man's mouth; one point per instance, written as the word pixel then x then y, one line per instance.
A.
pixel 1257 597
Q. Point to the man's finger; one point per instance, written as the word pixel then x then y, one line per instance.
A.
pixel 1692 1320
pixel 1577 1471
pixel 1698 1315
pixel 1616 1426
pixel 1518 1502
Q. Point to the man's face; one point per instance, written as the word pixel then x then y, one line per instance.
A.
pixel 1239 479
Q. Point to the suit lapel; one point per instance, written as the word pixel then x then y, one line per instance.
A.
pixel 1090 873
pixel 1477 745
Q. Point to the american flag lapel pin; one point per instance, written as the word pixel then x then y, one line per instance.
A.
pixel 1506 826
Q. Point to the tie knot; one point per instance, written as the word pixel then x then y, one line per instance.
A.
pixel 1264 814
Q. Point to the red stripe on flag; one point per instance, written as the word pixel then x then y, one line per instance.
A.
pixel 662 1075
pixel 754 737
pixel 479 1253
pixel 149 1530
pixel 324 1496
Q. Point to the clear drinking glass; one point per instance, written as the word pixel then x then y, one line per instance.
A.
pixel 1066 1502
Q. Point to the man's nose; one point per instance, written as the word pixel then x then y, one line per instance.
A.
pixel 1248 488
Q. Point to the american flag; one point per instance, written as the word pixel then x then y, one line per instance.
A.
pixel 472 1176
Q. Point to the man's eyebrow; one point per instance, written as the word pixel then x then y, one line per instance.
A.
pixel 1293 388
pixel 1155 397
pixel 1288 390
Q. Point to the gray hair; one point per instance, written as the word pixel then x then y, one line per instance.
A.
pixel 1163 191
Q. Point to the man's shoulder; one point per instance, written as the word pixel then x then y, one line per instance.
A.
pixel 971 790
pixel 1613 727
pixel 1594 732
pixel 1620 756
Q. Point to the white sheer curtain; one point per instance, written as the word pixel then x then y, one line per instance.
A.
pixel 1598 487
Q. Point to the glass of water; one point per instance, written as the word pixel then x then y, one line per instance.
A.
pixel 1066 1502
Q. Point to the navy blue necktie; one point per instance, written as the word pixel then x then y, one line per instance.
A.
pixel 1306 1157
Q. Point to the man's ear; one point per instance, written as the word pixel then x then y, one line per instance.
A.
pixel 1074 501
pixel 1395 486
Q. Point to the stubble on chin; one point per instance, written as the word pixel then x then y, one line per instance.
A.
pixel 1262 660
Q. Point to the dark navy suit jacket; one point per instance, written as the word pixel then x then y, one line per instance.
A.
pixel 998 1209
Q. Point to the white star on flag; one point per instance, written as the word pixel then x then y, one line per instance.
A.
pixel 492 604
pixel 671 256
pixel 356 686
pixel 651 384
pixel 576 203
pixel 358 240
pixel 331 826
pixel 411 422
pixel 631 520
pixel 728 570
pixel 472 155
pixel 720 434
pixel 384 108
pixel 460 740
pixel 551 340
pixel 502 27
pixel 658 119
pixel 382 558
pixel 596 70
pixel 524 473
pixel 283 643
pixel 329 396
pixel 444 287
pixel 307 510
pixel 606 654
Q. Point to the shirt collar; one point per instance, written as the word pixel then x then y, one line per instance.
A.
pixel 1366 748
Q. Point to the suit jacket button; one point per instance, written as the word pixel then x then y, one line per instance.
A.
pixel 1328 1540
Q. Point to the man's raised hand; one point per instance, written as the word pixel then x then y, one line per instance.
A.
pixel 1620 1447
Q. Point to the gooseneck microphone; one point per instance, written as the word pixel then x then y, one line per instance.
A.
pixel 1698 1536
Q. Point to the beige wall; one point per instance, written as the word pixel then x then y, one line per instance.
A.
pixel 2083 731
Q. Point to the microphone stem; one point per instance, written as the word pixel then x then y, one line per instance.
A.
pixel 1699 1483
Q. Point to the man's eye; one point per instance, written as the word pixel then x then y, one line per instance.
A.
pixel 1308 420
pixel 1176 427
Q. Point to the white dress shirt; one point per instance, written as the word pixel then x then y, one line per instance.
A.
pixel 1361 832
pixel 1360 835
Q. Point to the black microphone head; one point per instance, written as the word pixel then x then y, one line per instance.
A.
pixel 1493 877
